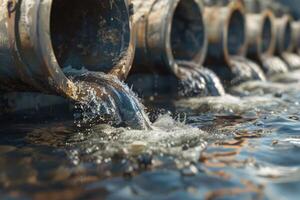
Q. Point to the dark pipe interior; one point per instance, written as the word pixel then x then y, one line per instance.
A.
pixel 236 33
pixel 287 35
pixel 187 34
pixel 266 35
pixel 93 34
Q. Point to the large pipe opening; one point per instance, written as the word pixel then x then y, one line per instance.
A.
pixel 93 34
pixel 266 35
pixel 188 31
pixel 236 33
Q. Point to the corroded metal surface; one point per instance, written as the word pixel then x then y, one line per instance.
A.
pixel 168 32
pixel 40 40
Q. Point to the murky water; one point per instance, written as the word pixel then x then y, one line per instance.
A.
pixel 231 147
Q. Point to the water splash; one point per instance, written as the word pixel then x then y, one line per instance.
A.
pixel 244 70
pixel 103 98
pixel 168 136
pixel 197 81
pixel 292 60
pixel 274 65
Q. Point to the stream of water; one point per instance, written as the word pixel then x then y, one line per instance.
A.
pixel 241 145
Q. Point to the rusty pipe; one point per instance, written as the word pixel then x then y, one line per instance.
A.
pixel 168 33
pixel 226 33
pixel 41 40
pixel 284 42
pixel 260 35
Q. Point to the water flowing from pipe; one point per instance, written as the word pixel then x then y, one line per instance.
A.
pixel 197 81
pixel 104 98
pixel 245 70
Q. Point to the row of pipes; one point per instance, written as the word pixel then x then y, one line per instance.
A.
pixel 43 41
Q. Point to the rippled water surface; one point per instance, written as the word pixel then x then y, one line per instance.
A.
pixel 240 146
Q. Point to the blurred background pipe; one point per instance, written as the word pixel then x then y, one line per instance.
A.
pixel 284 42
pixel 171 45
pixel 167 34
pixel 226 33
pixel 260 35
pixel 42 40
pixel 227 44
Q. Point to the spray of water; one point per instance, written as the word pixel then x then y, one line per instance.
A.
pixel 168 136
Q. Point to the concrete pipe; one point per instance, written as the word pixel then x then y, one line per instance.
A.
pixel 168 33
pixel 41 40
pixel 226 33
pixel 260 35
